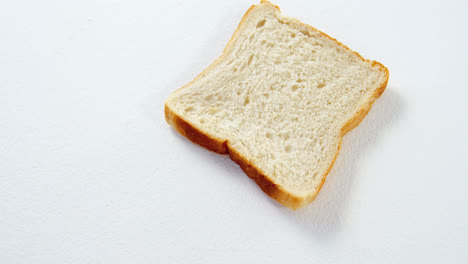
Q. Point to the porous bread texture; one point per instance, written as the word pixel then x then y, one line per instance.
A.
pixel 278 100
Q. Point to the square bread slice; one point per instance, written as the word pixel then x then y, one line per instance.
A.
pixel 278 101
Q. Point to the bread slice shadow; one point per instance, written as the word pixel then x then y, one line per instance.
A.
pixel 327 212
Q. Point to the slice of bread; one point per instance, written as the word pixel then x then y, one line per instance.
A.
pixel 278 101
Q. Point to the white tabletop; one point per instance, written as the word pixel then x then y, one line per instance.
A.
pixel 91 173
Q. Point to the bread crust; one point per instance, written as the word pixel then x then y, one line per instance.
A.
pixel 194 134
pixel 221 146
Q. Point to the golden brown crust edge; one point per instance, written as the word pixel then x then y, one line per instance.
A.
pixel 222 147
pixel 263 181
pixel 194 134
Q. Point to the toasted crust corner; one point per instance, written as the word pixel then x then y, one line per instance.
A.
pixel 222 147
pixel 367 105
pixel 193 133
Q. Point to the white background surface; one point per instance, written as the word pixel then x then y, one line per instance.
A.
pixel 91 173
